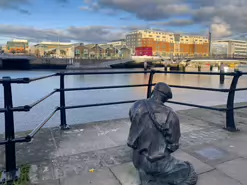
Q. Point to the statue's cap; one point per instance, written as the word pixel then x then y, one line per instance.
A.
pixel 163 88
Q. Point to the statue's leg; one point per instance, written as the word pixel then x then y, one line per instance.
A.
pixel 146 179
pixel 192 176
pixel 176 172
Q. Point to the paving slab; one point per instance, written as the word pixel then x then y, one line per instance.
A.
pixel 213 117
pixel 126 174
pixel 32 152
pixel 116 130
pixel 189 123
pixel 48 182
pixel 79 139
pixel 216 178
pixel 67 166
pixel 202 136
pixel 235 144
pixel 199 166
pixel 103 177
pixel 210 154
pixel 41 172
pixel 235 169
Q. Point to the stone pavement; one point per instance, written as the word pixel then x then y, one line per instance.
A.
pixel 96 153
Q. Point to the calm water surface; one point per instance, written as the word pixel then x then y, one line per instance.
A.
pixel 27 93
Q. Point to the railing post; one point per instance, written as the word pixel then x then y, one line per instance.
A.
pixel 10 155
pixel 230 122
pixel 150 82
pixel 63 124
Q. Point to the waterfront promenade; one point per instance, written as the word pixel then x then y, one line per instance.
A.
pixel 96 153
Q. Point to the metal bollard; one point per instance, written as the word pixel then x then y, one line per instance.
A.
pixel 222 77
pixel 211 68
pixel 199 68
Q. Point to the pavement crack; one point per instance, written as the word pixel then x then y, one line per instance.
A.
pixel 115 176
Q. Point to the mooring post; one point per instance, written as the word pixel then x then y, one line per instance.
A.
pixel 211 67
pixel 230 123
pixel 165 66
pixel 222 76
pixel 11 173
pixel 63 124
pixel 199 68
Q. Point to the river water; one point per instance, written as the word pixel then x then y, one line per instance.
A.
pixel 27 93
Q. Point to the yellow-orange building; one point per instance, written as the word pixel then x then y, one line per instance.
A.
pixel 167 44
pixel 17 46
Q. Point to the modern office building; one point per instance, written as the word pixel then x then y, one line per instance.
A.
pixel 168 44
pixel 230 48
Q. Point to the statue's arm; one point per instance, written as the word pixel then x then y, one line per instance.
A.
pixel 174 133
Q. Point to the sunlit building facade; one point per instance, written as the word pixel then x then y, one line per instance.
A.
pixel 17 46
pixel 168 44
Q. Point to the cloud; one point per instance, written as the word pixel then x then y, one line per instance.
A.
pixel 94 34
pixel 14 5
pixel 231 13
pixel 175 22
pixel 143 9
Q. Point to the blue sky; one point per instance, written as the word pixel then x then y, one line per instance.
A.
pixel 104 20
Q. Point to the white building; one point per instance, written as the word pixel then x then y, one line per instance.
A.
pixel 231 48
pixel 117 42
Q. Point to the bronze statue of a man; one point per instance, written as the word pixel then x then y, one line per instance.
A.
pixel 154 134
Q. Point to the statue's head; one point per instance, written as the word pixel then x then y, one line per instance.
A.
pixel 162 92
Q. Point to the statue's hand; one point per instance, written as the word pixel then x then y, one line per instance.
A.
pixel 172 147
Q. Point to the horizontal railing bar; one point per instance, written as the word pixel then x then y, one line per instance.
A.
pixel 42 77
pixel 241 89
pixel 2 110
pixel 3 142
pixel 132 101
pixel 198 106
pixel 99 104
pixel 241 107
pixel 17 80
pixel 17 140
pixel 142 85
pixel 105 87
pixel 35 131
pixel 196 73
pixel 143 72
pixel 200 88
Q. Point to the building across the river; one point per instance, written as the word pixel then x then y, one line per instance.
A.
pixel 230 48
pixel 102 51
pixel 168 44
pixel 55 49
pixel 17 46
pixel 120 42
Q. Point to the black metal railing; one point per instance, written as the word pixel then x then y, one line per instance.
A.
pixel 11 172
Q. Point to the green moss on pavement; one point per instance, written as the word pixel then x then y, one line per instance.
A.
pixel 24 176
